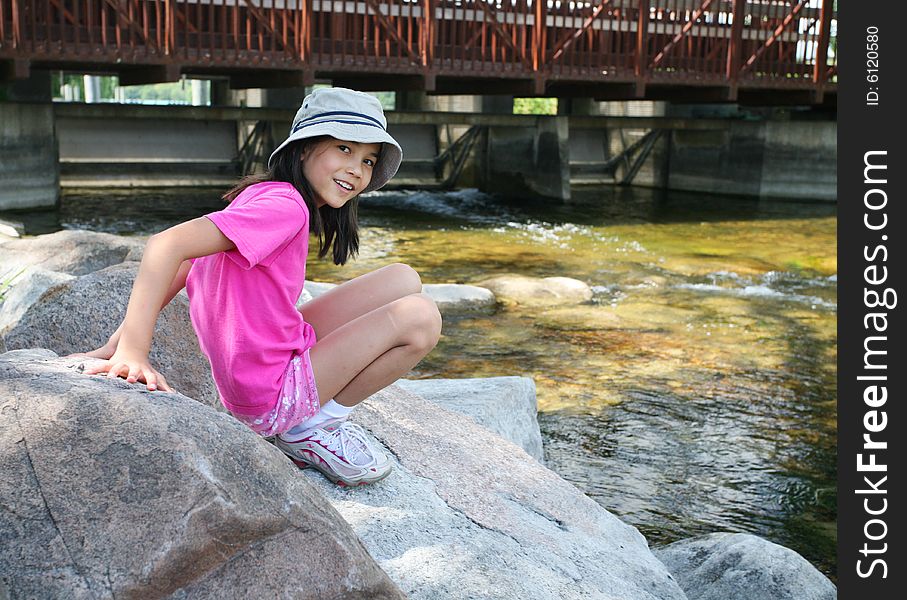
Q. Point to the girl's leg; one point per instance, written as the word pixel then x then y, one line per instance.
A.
pixel 359 296
pixel 371 351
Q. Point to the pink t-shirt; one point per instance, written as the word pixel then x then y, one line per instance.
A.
pixel 243 302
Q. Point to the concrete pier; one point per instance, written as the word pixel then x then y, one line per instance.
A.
pixel 770 159
pixel 29 164
pixel 527 160
pixel 29 170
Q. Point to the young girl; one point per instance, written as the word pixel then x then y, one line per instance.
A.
pixel 279 372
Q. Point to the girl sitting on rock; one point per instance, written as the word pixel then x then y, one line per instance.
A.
pixel 292 373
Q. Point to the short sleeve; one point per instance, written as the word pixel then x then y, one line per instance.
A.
pixel 261 225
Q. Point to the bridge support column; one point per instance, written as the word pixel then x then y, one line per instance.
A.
pixel 412 101
pixel 586 107
pixel 519 161
pixel 28 145
pixel 497 105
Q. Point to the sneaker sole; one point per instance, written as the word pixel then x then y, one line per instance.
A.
pixel 333 477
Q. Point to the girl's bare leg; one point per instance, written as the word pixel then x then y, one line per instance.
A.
pixel 371 351
pixel 359 296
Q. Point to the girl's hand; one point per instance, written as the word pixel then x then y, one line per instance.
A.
pixel 133 369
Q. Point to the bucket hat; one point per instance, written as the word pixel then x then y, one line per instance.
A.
pixel 347 115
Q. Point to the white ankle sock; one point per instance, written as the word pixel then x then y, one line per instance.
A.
pixel 330 410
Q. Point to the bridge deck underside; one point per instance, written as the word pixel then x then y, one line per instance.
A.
pixel 659 49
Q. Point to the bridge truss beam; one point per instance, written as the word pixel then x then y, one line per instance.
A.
pixel 626 48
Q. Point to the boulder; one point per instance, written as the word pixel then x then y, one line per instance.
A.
pixel 109 490
pixel 737 565
pixel 536 291
pixel 466 514
pixel 75 252
pixel 452 298
pixel 23 292
pixel 10 230
pixel 504 405
pixel 80 313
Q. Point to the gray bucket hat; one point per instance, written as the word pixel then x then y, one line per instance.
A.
pixel 351 116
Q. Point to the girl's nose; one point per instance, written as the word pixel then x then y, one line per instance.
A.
pixel 354 168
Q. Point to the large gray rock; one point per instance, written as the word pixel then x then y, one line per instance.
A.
pixel 533 291
pixel 75 252
pixel 466 514
pixel 25 290
pixel 107 490
pixel 79 314
pixel 737 565
pixel 505 405
pixel 10 230
pixel 453 298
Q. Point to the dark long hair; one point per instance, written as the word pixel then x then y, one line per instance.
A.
pixel 337 227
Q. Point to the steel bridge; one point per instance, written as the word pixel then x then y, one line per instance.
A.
pixel 748 51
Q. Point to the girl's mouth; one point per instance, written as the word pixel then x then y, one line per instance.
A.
pixel 344 185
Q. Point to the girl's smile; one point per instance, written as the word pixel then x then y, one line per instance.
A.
pixel 339 170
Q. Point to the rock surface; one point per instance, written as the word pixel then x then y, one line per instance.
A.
pixel 10 230
pixel 466 514
pixel 28 289
pixel 79 314
pixel 108 491
pixel 452 297
pixel 504 405
pixel 537 292
pixel 75 252
pixel 736 565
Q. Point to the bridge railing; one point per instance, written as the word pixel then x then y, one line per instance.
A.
pixel 771 43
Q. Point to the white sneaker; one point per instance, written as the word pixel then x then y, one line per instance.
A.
pixel 341 450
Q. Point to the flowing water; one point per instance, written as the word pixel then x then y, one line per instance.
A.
pixel 695 393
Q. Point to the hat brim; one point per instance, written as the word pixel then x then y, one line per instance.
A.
pixel 391 152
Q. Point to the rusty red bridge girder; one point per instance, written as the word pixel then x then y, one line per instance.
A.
pixel 770 52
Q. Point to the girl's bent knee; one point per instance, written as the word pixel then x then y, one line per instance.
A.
pixel 407 277
pixel 430 321
pixel 422 320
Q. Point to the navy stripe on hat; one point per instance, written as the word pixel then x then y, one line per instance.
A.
pixel 306 122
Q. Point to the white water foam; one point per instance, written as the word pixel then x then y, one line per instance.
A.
pixel 725 282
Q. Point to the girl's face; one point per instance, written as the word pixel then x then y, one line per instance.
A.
pixel 338 170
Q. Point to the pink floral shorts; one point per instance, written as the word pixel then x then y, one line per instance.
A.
pixel 298 400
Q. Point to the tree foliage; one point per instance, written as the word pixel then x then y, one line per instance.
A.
pixel 535 106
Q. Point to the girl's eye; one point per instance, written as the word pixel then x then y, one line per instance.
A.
pixel 369 162
pixel 344 148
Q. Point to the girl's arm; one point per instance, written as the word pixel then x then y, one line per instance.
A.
pixel 179 282
pixel 164 254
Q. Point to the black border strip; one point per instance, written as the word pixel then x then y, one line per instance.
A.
pixel 871 270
